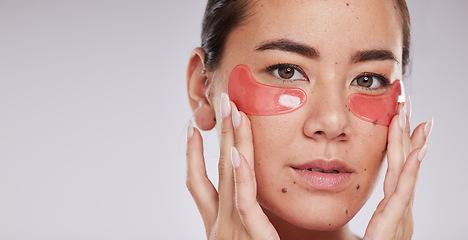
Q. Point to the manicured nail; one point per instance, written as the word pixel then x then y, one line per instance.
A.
pixel 225 105
pixel 402 118
pixel 235 157
pixel 189 130
pixel 408 106
pixel 422 153
pixel 428 127
pixel 236 117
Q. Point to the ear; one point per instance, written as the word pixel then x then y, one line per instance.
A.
pixel 203 111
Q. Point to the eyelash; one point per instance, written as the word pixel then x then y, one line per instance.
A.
pixel 272 68
pixel 382 77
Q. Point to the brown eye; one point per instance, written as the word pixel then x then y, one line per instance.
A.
pixel 286 72
pixel 370 81
pixel 365 81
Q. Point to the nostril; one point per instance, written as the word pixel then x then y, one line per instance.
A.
pixel 319 132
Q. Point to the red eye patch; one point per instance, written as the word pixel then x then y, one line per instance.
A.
pixel 378 109
pixel 255 98
pixel 259 99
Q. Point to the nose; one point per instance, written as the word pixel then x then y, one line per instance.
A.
pixel 327 114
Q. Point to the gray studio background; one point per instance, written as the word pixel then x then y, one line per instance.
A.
pixel 93 115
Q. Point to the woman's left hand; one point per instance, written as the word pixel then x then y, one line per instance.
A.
pixel 393 218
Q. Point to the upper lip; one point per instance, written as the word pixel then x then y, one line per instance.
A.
pixel 325 165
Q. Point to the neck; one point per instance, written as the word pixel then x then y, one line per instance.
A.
pixel 289 231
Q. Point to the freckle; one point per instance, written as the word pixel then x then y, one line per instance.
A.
pixel 347 4
pixel 294 182
pixel 284 190
pixel 336 62
pixel 365 169
pixel 357 186
pixel 329 224
pixel 346 211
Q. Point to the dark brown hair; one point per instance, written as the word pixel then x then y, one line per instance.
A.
pixel 222 16
pixel 406 26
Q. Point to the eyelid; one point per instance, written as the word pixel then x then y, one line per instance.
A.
pixel 272 68
pixel 383 79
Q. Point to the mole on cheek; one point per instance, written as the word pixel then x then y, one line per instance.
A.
pixel 357 186
pixel 347 212
pixel 284 190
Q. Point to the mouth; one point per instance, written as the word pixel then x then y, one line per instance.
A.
pixel 329 166
pixel 324 175
pixel 321 170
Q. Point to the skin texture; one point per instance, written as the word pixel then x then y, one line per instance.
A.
pixel 263 198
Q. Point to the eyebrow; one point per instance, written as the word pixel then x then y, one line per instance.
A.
pixel 310 52
pixel 373 55
pixel 289 46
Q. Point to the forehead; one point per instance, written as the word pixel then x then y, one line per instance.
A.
pixel 327 25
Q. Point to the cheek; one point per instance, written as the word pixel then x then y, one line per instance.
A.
pixel 367 151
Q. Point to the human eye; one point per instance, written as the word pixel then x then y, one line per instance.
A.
pixel 370 81
pixel 287 72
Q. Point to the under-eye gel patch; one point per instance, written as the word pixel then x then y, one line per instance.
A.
pixel 378 109
pixel 259 99
pixel 255 98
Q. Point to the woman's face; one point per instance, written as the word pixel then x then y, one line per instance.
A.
pixel 343 40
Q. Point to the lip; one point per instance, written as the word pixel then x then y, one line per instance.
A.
pixel 325 175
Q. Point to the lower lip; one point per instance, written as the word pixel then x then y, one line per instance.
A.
pixel 324 181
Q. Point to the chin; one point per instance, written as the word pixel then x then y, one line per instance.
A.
pixel 320 212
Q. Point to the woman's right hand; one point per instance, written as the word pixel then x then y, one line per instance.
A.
pixel 232 212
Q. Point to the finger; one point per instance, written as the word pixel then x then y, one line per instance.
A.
pixel 401 199
pixel 407 145
pixel 251 214
pixel 243 140
pixel 395 152
pixel 421 133
pixel 226 176
pixel 198 184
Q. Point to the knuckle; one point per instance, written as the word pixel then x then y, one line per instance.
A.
pixel 244 207
pixel 190 187
pixel 224 166
pixel 189 183
pixel 225 130
pixel 404 199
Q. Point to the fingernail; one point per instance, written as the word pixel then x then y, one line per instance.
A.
pixel 190 130
pixel 408 106
pixel 236 117
pixel 428 127
pixel 235 157
pixel 422 153
pixel 225 105
pixel 402 118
